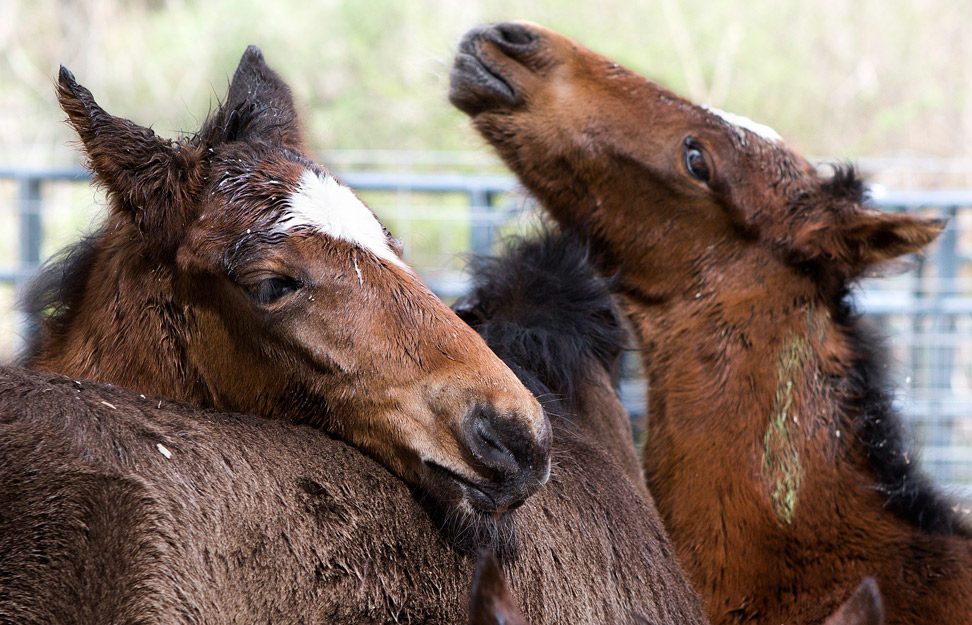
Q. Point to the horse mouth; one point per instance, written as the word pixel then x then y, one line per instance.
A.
pixel 478 496
pixel 476 85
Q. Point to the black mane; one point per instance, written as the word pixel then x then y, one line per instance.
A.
pixel 542 308
pixel 845 184
pixel 911 495
pixel 53 293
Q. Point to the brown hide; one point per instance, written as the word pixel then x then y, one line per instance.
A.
pixel 123 509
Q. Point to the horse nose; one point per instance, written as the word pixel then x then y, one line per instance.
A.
pixel 514 456
pixel 512 37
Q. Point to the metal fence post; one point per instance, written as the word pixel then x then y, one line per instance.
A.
pixel 29 239
pixel 941 359
pixel 481 227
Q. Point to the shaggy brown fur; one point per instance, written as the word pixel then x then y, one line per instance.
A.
pixel 771 447
pixel 491 602
pixel 128 509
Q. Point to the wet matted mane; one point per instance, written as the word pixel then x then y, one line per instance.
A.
pixel 53 293
pixel 892 453
pixel 542 307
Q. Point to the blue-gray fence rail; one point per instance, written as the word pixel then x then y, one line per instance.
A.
pixel 929 311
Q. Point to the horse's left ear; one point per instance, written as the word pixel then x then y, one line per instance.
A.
pixel 149 179
pixel 258 106
pixel 861 238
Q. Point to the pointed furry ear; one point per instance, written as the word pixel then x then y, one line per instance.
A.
pixel 863 238
pixel 871 238
pixel 878 237
pixel 149 179
pixel 258 106
pixel 863 607
pixel 491 602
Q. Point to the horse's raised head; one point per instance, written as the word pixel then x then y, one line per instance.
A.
pixel 663 184
pixel 262 284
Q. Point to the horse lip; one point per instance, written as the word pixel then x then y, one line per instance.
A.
pixel 475 86
pixel 477 496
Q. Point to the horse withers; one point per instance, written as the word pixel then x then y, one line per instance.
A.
pixel 772 449
pixel 236 273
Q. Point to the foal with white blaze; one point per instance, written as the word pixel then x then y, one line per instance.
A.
pixel 237 274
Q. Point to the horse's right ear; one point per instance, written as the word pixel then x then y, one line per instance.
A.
pixel 150 179
pixel 491 602
pixel 863 607
pixel 258 106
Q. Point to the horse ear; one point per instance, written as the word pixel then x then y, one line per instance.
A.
pixel 878 237
pixel 491 602
pixel 864 607
pixel 863 238
pixel 148 178
pixel 258 106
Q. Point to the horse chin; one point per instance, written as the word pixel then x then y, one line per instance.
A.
pixel 470 530
pixel 476 87
pixel 465 516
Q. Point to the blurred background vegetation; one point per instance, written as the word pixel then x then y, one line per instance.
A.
pixel 842 78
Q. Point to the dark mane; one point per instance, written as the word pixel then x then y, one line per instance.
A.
pixel 845 184
pixel 910 493
pixel 543 310
pixel 54 292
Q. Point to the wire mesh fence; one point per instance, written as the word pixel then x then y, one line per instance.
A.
pixel 443 213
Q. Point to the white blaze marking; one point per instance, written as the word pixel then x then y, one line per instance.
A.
pixel 762 130
pixel 333 209
pixel 163 450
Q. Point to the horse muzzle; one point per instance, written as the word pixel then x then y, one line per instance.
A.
pixel 479 81
pixel 511 461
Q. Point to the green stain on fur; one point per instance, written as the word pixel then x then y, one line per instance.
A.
pixel 781 442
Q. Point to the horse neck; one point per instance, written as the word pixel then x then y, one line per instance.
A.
pixel 600 417
pixel 125 327
pixel 748 381
pixel 754 409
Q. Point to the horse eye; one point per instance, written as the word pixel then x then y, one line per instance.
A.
pixel 695 162
pixel 271 289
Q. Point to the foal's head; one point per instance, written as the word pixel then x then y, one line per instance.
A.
pixel 281 294
pixel 667 187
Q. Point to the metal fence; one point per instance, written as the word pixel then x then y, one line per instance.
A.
pixel 926 312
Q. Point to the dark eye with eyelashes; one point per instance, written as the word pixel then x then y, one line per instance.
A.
pixel 695 161
pixel 273 288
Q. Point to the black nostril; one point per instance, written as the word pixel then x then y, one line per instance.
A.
pixel 502 443
pixel 512 37
pixel 484 432
pixel 513 459
pixel 515 34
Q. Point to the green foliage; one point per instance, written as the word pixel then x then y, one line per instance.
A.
pixel 836 77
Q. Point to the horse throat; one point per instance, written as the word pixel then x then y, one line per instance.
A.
pixel 754 390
